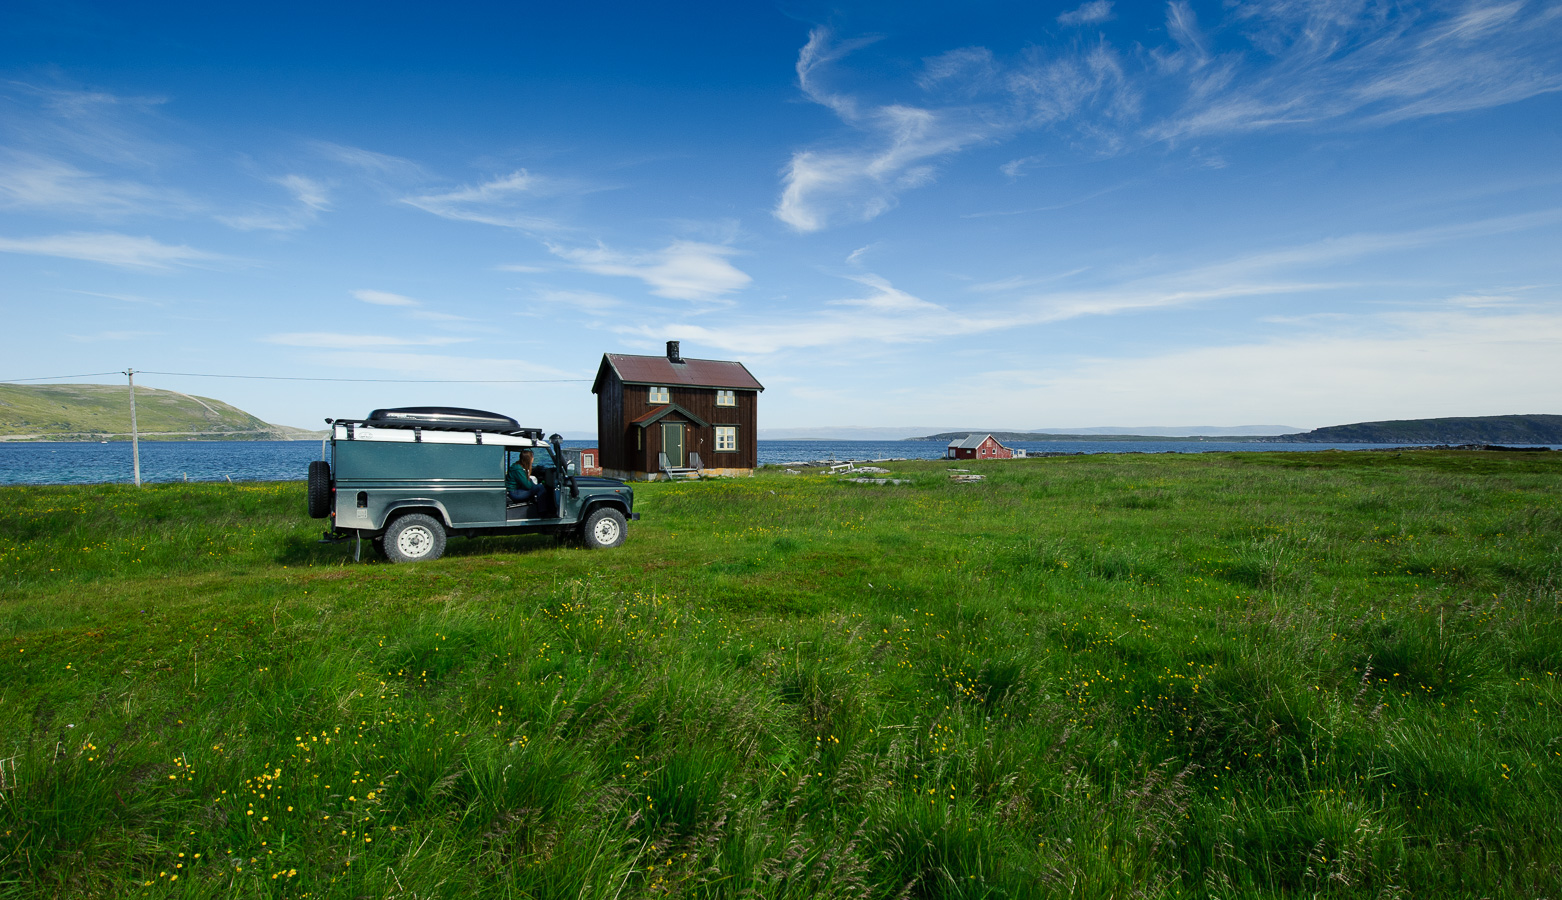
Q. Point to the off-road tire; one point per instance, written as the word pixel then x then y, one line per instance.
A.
pixel 603 529
pixel 414 537
pixel 319 489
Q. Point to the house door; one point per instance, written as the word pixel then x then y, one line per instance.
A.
pixel 672 444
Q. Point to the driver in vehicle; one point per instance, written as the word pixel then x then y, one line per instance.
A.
pixel 519 486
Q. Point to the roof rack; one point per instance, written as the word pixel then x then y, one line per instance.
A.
pixel 443 418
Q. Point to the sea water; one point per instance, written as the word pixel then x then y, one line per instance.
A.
pixel 168 461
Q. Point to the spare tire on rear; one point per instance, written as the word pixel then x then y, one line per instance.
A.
pixel 319 489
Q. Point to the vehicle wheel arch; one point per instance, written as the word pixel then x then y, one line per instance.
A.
pixel 597 503
pixel 417 505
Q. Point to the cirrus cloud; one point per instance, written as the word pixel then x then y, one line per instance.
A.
pixel 683 270
pixel 110 249
pixel 1253 67
pixel 323 339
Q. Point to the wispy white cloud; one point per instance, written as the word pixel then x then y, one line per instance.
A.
pixel 591 302
pixel 81 125
pixel 384 298
pixel 900 143
pixel 883 314
pixel 356 341
pixel 1257 66
pixel 113 336
pixel 1014 168
pixel 439 365
pixel 410 307
pixel 1019 283
pixel 368 161
pixel 886 314
pixel 1358 64
pixel 111 249
pixel 856 257
pixel 493 202
pixel 123 298
pixel 1091 13
pixel 310 198
pixel 33 182
pixel 683 270
pixel 429 315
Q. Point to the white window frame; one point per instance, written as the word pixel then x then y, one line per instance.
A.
pixel 659 394
pixel 726 398
pixel 730 433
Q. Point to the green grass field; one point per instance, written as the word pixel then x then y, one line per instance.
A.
pixel 1258 675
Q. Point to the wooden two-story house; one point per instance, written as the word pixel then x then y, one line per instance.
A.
pixel 655 412
pixel 977 446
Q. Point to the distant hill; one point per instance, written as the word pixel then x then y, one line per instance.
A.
pixel 1531 429
pixel 1207 431
pixel 1510 430
pixel 101 412
pixel 947 436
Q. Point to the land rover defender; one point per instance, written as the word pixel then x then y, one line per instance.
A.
pixel 408 478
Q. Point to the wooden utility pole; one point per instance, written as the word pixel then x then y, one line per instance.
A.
pixel 135 438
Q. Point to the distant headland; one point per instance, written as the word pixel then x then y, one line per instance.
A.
pixel 101 412
pixel 1516 429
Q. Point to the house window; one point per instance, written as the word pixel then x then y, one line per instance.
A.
pixel 726 398
pixel 659 395
pixel 726 438
pixel 588 460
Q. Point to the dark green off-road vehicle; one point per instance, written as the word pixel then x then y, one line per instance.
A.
pixel 408 478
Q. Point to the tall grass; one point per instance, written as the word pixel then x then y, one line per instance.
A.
pixel 1309 674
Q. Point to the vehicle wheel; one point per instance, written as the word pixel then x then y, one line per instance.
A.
pixel 604 528
pixel 414 537
pixel 319 489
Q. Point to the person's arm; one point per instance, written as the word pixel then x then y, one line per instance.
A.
pixel 517 479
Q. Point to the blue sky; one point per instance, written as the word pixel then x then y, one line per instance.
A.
pixel 1001 215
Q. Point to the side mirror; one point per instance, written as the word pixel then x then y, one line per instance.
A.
pixel 570 468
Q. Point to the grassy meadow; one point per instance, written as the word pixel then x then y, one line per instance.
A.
pixel 1310 674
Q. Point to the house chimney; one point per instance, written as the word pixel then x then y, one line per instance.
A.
pixel 672 352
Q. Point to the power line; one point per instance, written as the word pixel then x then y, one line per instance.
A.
pixel 303 378
pixel 378 380
pixel 53 377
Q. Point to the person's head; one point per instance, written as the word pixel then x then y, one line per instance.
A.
pixel 526 458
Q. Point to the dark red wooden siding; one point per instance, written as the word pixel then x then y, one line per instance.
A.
pixel 634 449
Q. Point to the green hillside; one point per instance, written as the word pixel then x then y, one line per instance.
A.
pixel 1532 429
pixel 95 412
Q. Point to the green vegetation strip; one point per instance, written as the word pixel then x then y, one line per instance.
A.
pixel 1274 675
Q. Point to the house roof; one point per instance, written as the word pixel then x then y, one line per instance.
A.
pixel 708 373
pixel 656 414
pixel 970 441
